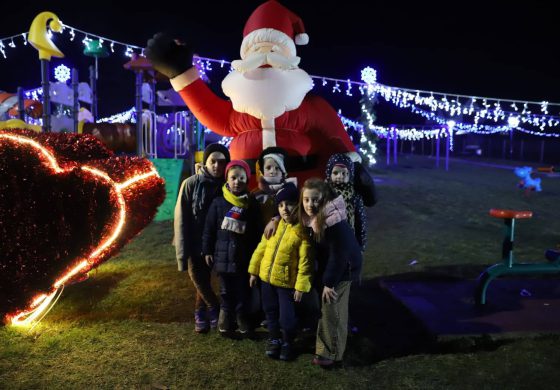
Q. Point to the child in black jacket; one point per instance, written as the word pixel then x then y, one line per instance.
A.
pixel 231 234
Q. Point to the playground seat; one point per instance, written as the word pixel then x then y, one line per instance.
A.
pixel 506 266
pixel 512 214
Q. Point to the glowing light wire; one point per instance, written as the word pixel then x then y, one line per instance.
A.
pixel 41 302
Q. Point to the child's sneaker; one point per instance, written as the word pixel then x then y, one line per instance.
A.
pixel 200 322
pixel 213 315
pixel 273 348
pixel 286 352
pixel 224 322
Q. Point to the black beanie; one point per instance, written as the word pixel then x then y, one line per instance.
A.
pixel 288 192
pixel 215 148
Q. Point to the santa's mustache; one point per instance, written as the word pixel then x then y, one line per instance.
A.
pixel 273 59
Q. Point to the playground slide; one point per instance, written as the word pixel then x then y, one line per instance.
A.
pixel 9 105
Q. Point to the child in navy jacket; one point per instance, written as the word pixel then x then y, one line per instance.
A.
pixel 231 234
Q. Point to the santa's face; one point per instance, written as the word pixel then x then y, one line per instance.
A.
pixel 267 82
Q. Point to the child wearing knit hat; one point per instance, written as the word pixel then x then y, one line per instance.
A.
pixel 340 177
pixel 284 267
pixel 195 196
pixel 231 234
pixel 272 177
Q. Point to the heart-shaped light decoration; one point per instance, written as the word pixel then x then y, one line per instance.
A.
pixel 66 205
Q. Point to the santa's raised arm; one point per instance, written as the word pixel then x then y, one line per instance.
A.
pixel 269 101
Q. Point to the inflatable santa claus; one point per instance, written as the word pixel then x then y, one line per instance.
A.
pixel 270 103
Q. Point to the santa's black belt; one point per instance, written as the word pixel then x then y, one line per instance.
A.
pixel 292 163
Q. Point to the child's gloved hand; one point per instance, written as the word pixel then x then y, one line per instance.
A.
pixel 252 281
pixel 297 296
pixel 168 56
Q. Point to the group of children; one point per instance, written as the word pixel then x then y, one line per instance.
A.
pixel 314 240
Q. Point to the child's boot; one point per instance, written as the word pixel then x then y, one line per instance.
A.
pixel 213 317
pixel 243 323
pixel 224 322
pixel 286 351
pixel 200 322
pixel 273 348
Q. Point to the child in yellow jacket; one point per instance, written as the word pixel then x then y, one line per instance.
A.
pixel 284 267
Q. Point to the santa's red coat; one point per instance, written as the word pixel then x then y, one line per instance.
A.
pixel 310 134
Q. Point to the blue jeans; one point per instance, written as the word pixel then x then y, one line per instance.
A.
pixel 279 309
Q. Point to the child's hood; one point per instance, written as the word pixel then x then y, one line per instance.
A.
pixel 343 159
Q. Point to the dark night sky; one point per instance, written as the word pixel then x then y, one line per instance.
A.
pixel 485 48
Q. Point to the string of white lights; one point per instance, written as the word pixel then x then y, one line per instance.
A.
pixel 477 107
pixel 455 106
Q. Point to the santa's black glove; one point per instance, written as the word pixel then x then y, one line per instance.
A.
pixel 364 185
pixel 167 56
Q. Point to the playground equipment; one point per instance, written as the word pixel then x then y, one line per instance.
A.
pixel 527 182
pixel 176 135
pixel 95 49
pixel 549 169
pixel 14 105
pixel 39 39
pixel 507 266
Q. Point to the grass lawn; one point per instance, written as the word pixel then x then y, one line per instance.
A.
pixel 130 324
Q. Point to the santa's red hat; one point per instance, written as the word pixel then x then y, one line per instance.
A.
pixel 272 22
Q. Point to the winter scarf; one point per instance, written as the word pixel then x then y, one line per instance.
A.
pixel 200 194
pixel 235 219
pixel 346 190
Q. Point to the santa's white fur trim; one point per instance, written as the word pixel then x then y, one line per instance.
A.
pixel 267 35
pixel 302 39
pixel 268 133
pixel 187 77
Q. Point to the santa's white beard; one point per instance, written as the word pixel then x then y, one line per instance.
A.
pixel 266 93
